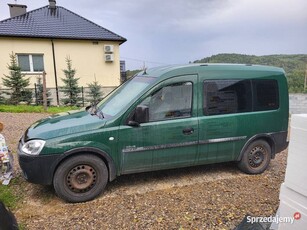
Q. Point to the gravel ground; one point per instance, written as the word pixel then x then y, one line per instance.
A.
pixel 203 197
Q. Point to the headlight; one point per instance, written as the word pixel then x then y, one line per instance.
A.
pixel 33 147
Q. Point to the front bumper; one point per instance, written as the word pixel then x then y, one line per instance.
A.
pixel 38 169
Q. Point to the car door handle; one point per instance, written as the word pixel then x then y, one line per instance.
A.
pixel 188 131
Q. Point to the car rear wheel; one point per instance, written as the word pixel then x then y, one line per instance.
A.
pixel 80 178
pixel 256 157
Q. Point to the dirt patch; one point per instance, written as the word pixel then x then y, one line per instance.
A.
pixel 204 197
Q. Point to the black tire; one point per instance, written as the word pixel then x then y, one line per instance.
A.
pixel 80 178
pixel 256 157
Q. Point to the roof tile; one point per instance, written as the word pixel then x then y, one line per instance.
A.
pixel 55 23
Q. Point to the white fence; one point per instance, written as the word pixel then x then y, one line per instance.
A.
pixel 298 103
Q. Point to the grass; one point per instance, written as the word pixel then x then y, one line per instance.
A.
pixel 34 109
pixel 7 196
pixel 12 197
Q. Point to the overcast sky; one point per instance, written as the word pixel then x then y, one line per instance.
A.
pixel 163 32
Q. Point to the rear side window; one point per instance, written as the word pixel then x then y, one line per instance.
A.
pixel 265 95
pixel 227 96
pixel 239 96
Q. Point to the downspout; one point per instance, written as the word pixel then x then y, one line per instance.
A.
pixel 55 74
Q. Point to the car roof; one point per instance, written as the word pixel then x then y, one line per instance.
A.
pixel 220 69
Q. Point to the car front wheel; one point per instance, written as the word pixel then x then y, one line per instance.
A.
pixel 80 178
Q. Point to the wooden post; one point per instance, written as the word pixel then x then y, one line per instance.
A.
pixel 44 92
pixel 82 89
pixel 36 94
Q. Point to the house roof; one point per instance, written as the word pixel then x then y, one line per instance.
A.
pixel 58 23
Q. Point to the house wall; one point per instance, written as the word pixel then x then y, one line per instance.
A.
pixel 87 58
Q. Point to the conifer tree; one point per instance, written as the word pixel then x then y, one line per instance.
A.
pixel 70 89
pixel 2 99
pixel 17 83
pixel 95 93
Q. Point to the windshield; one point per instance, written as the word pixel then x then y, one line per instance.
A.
pixel 123 95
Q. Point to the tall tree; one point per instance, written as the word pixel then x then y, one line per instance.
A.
pixel 17 83
pixel 70 89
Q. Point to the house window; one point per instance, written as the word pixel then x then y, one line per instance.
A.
pixel 31 62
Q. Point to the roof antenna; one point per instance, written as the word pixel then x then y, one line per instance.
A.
pixel 144 68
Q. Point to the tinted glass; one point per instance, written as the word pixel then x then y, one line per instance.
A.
pixel 266 95
pixel 227 96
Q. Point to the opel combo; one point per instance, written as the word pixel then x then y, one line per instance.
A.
pixel 162 118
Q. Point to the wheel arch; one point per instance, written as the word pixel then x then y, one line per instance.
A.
pixel 266 137
pixel 89 150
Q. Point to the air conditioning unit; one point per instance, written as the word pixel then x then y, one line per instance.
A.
pixel 108 48
pixel 108 57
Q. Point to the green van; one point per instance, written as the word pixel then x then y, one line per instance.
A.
pixel 162 118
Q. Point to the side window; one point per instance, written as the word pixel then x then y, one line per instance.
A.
pixel 170 102
pixel 266 96
pixel 227 96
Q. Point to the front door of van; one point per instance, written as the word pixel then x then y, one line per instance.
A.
pixel 169 139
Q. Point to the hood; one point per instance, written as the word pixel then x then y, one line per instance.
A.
pixel 63 124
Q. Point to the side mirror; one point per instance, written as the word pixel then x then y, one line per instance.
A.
pixel 133 124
